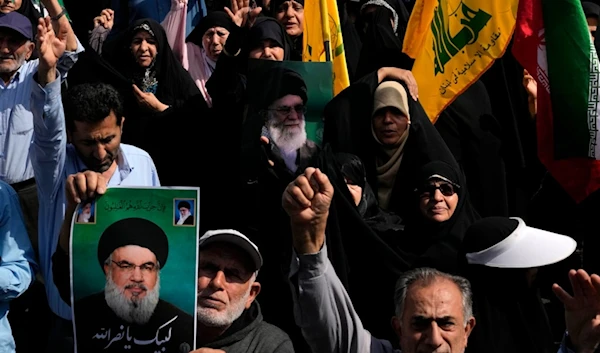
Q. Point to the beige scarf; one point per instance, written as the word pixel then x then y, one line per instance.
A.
pixel 388 169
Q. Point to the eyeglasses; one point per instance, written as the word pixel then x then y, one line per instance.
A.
pixel 445 188
pixel 127 267
pixel 286 110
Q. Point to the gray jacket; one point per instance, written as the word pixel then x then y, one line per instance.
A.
pixel 250 334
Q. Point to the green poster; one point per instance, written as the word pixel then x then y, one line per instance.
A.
pixel 318 78
pixel 134 270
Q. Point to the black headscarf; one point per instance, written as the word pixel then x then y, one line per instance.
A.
pixel 510 315
pixel 590 9
pixel 267 28
pixel 438 243
pixel 213 19
pixel 382 43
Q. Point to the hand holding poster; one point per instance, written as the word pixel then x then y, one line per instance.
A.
pixel 134 271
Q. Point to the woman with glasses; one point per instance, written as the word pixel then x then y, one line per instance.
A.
pixel 442 212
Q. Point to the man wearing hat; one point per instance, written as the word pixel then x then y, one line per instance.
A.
pixel 132 252
pixel 228 314
pixel 185 214
pixel 283 104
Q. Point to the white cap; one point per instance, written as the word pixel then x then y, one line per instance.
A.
pixel 525 247
pixel 236 238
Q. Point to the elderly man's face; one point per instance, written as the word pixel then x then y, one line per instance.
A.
pixel 134 270
pixel 14 51
pixel 286 123
pixel 184 212
pixel 433 319
pixel 226 285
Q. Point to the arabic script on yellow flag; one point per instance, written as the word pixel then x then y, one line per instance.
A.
pixel 313 40
pixel 453 43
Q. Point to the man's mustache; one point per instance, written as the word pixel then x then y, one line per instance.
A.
pixel 4 57
pixel 137 285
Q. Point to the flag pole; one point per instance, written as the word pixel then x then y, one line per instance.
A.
pixel 325 28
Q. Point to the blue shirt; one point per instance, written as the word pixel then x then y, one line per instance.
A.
pixel 16 260
pixel 156 10
pixel 16 119
pixel 53 161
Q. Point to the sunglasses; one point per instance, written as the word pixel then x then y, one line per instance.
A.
pixel 445 188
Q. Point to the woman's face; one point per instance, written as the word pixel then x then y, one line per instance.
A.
pixel 291 15
pixel 389 124
pixel 7 6
pixel 355 191
pixel 144 48
pixel 268 50
pixel 438 200
pixel 213 42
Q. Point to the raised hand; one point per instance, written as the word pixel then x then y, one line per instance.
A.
pixel 406 76
pixel 306 200
pixel 51 45
pixel 106 19
pixel 582 310
pixel 242 14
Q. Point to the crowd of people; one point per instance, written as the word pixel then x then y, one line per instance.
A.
pixel 453 230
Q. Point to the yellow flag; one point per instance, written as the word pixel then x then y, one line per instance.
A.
pixel 453 43
pixel 315 35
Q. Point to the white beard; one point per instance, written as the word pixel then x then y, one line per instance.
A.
pixel 84 217
pixel 182 219
pixel 287 139
pixel 211 318
pixel 134 310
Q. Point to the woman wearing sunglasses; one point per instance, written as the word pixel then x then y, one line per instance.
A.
pixel 441 215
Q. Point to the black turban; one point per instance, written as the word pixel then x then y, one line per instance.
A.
pixel 134 231
pixel 279 82
pixel 184 204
